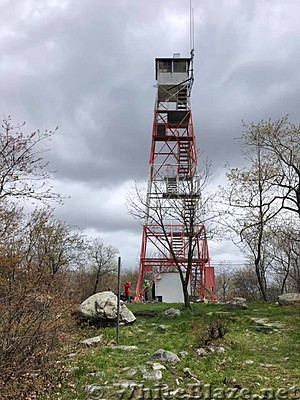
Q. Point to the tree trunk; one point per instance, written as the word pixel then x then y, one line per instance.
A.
pixel 96 281
pixel 260 280
pixel 187 303
pixel 185 282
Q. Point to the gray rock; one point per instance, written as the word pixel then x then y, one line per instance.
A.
pixel 219 349
pixel 172 312
pixel 92 341
pixel 101 309
pixel 265 325
pixel 209 350
pixel 125 348
pixel 289 299
pixel 95 390
pixel 155 365
pixel 131 372
pixel 237 303
pixel 155 375
pixel 164 355
pixel 161 328
pixel 183 354
pixel 202 352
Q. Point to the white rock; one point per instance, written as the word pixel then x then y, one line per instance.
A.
pixel 289 299
pixel 125 348
pixel 201 352
pixel 156 365
pixel 92 341
pixel 237 303
pixel 155 375
pixel 103 307
pixel 172 312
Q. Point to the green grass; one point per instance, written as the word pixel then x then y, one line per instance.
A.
pixel 253 359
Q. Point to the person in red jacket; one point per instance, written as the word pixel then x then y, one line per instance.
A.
pixel 127 290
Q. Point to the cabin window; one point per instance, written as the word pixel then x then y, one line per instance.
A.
pixel 179 66
pixel 165 66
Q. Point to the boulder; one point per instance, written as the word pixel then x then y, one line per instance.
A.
pixel 237 303
pixel 289 299
pixel 172 312
pixel 101 310
pixel 155 375
pixel 165 355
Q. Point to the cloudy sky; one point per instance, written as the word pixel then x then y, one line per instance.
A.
pixel 88 67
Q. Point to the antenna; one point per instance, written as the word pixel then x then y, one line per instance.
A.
pixel 192 28
pixel 192 43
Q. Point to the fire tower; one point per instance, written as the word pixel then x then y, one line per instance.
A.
pixel 174 236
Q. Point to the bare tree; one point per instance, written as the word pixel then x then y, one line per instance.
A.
pixel 184 205
pixel 101 260
pixel 34 313
pixel 224 281
pixel 248 196
pixel 23 170
pixel 280 142
pixel 51 244
pixel 268 188
pixel 284 252
pixel 245 283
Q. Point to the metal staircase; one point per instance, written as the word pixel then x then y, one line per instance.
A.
pixel 182 98
pixel 184 157
pixel 190 208
pixel 178 245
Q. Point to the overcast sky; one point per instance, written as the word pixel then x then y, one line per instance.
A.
pixel 87 66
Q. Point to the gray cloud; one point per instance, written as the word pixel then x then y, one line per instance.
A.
pixel 88 67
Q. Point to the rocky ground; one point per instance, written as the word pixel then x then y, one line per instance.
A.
pixel 170 352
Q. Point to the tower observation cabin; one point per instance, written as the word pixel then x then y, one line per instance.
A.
pixel 174 79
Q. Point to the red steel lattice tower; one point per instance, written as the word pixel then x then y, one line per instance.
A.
pixel 174 236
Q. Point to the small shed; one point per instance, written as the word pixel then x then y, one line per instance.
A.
pixel 168 288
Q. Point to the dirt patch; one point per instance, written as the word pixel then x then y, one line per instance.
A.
pixel 147 314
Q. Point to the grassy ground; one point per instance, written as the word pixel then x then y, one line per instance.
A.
pixel 255 357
